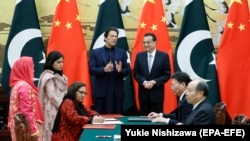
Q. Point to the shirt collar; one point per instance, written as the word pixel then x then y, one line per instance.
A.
pixel 198 103
pixel 152 53
pixel 181 97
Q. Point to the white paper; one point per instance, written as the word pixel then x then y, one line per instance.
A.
pixel 110 121
pixel 117 137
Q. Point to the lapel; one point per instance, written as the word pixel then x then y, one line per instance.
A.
pixel 116 54
pixel 183 99
pixel 103 54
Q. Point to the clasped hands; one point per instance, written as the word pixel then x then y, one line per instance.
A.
pixel 110 67
pixel 149 84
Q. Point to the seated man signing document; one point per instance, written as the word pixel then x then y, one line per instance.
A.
pixel 179 84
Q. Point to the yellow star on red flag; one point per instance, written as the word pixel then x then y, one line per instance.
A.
pixel 233 60
pixel 69 40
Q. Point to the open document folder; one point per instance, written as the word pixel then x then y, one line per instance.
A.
pixel 110 121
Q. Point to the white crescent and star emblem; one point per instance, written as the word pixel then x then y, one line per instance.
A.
pixel 185 49
pixel 18 42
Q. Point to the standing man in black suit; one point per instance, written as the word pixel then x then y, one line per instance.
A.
pixel 151 71
pixel 179 85
pixel 203 112
pixel 108 65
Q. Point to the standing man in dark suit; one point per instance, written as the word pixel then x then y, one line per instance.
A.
pixel 151 71
pixel 108 65
pixel 179 85
pixel 203 112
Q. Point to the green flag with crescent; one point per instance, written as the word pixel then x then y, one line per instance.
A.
pixel 194 52
pixel 25 39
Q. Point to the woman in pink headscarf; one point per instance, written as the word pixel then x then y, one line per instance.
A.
pixel 24 98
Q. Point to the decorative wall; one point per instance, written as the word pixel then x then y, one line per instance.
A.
pixel 131 10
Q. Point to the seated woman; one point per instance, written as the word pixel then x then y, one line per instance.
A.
pixel 73 115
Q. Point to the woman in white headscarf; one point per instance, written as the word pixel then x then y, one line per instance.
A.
pixel 53 86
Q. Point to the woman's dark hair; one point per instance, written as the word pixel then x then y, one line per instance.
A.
pixel 51 58
pixel 73 88
pixel 71 94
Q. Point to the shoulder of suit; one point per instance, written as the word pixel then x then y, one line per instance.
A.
pixel 97 49
pixel 160 52
pixel 141 53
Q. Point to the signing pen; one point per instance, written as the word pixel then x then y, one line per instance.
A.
pixel 103 136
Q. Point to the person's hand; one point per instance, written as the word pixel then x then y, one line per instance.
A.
pixel 109 67
pixel 34 137
pixel 179 123
pixel 152 82
pixel 118 66
pixel 147 85
pixel 98 119
pixel 160 119
pixel 153 115
pixel 150 85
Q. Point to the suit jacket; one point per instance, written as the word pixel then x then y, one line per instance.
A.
pixel 160 72
pixel 97 62
pixel 181 113
pixel 203 114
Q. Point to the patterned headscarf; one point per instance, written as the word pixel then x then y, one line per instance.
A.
pixel 23 70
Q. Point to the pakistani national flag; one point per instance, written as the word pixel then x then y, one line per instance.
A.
pixel 25 39
pixel 110 15
pixel 194 52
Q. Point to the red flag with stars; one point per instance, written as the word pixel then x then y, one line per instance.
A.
pixel 153 20
pixel 233 60
pixel 67 37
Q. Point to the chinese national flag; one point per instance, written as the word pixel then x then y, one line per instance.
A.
pixel 233 60
pixel 67 37
pixel 153 20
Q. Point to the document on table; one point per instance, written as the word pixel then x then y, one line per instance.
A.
pixel 99 126
pixel 117 137
pixel 110 121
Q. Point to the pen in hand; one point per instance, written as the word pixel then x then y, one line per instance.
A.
pixel 103 136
